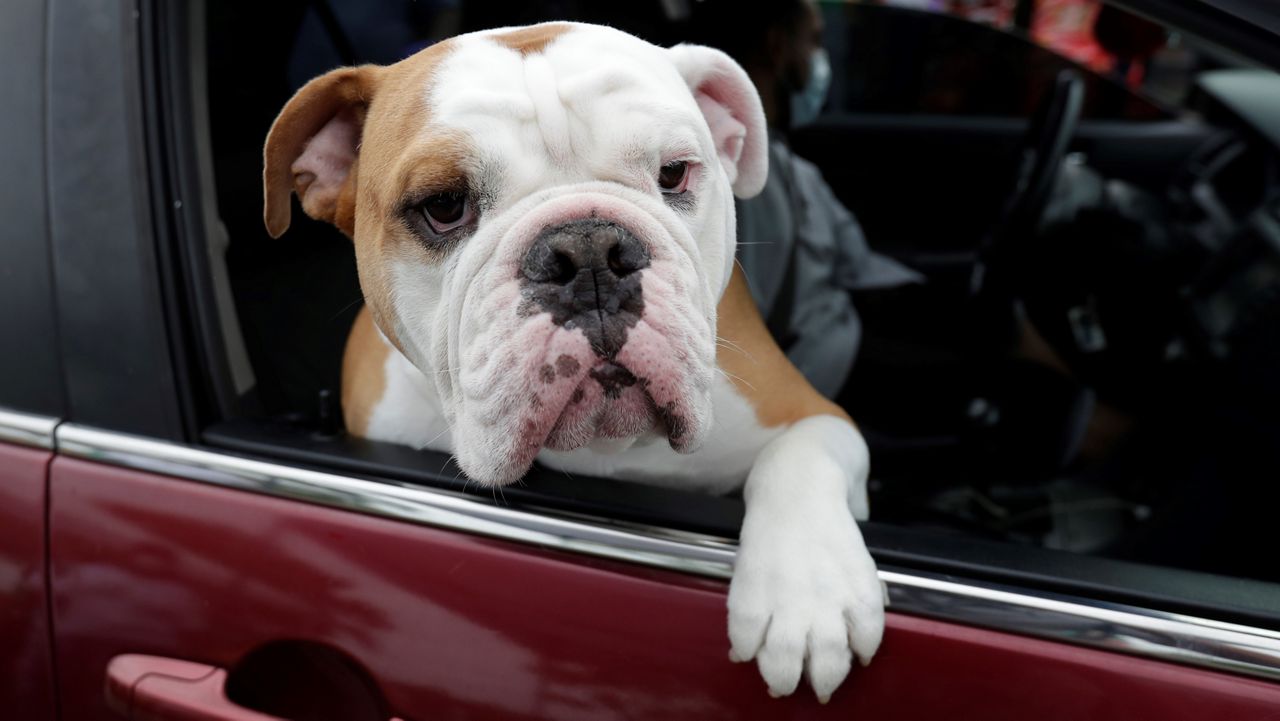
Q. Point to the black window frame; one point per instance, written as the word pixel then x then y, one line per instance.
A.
pixel 31 364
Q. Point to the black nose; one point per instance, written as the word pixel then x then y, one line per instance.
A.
pixel 562 253
pixel 585 273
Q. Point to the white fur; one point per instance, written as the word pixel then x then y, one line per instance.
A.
pixel 805 594
pixel 590 120
pixel 410 412
pixel 718 467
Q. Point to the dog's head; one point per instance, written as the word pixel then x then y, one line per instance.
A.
pixel 543 222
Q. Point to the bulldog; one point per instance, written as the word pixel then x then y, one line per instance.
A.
pixel 543 223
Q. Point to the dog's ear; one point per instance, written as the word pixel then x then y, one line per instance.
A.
pixel 731 106
pixel 312 149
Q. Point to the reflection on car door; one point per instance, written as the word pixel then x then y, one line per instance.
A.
pixel 26 668
pixel 447 623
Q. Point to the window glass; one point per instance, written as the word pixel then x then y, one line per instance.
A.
pixel 1138 442
pixel 972 59
pixel 1155 62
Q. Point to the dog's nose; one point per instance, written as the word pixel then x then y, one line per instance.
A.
pixel 585 273
pixel 562 253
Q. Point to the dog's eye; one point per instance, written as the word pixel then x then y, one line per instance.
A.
pixel 674 177
pixel 446 211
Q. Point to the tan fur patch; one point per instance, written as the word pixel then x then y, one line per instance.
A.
pixel 402 156
pixel 435 165
pixel 364 379
pixel 345 89
pixel 399 154
pixel 398 135
pixel 533 39
pixel 757 366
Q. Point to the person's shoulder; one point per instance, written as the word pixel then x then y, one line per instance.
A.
pixel 802 169
pixel 808 172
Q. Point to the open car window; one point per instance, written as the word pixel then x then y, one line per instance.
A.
pixel 978 62
pixel 1005 486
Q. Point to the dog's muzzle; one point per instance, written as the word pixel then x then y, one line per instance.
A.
pixel 586 274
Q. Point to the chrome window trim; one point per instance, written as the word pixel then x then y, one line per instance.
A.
pixel 1081 621
pixel 26 429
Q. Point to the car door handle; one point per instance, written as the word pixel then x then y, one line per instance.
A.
pixel 154 688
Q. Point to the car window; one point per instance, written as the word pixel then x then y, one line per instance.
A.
pixel 1025 484
pixel 894 58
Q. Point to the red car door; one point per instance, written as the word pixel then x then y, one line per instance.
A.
pixel 26 666
pixel 441 605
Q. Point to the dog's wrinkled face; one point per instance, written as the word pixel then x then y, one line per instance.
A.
pixel 543 220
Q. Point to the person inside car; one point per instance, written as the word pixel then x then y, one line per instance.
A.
pixel 803 251
pixel 925 365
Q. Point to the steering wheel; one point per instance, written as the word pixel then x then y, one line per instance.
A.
pixel 1039 158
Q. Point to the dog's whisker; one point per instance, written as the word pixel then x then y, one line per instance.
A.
pixel 733 346
pixel 739 379
pixel 722 339
pixel 440 435
pixel 346 308
pixel 446 464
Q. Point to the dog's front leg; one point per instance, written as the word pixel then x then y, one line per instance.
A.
pixel 805 594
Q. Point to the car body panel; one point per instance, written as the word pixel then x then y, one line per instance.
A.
pixel 26 666
pixel 454 624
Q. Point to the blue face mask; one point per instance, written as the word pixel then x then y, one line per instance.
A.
pixel 807 102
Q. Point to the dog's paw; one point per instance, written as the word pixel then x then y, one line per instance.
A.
pixel 805 598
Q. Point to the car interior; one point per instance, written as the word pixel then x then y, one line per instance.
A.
pixel 1089 368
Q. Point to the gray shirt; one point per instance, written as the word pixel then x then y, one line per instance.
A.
pixel 833 258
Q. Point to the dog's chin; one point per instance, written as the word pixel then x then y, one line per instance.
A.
pixel 531 385
pixel 604 408
pixel 601 405
pixel 610 402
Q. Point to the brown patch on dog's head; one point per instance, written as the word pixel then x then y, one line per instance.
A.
pixel 312 148
pixel 404 157
pixel 533 39
pixel 353 144
pixel 325 131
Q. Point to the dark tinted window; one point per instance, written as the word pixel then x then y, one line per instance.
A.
pixel 895 60
pixel 928 185
pixel 29 365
